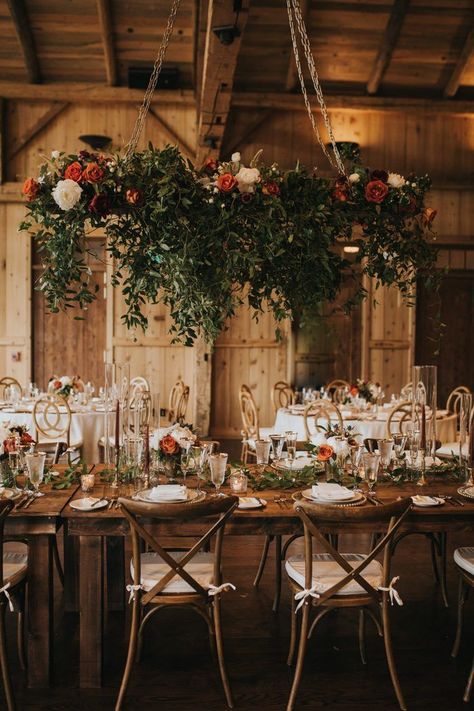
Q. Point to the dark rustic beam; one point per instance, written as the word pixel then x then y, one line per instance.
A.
pixel 389 40
pixel 292 79
pixel 106 32
pixel 455 79
pixel 38 127
pixel 79 92
pixel 238 141
pixel 25 38
pixel 172 136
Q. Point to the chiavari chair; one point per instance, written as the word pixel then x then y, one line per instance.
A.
pixel 335 386
pixel 188 577
pixel 10 382
pixel 282 395
pixel 13 578
pixel 138 385
pixel 321 410
pixel 452 403
pixel 406 391
pixel 178 402
pixel 251 430
pixel 464 559
pixel 52 422
pixel 333 580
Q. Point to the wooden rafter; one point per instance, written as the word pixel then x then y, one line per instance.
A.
pixel 292 80
pixel 389 40
pixel 172 136
pixel 106 32
pixel 39 125
pixel 25 38
pixel 219 64
pixel 81 92
pixel 245 135
pixel 455 79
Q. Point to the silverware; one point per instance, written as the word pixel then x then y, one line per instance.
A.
pixel 451 499
pixel 97 503
pixel 21 501
pixel 28 503
pixel 458 501
pixel 371 501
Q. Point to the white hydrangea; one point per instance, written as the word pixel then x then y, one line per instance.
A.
pixel 354 178
pixel 55 154
pixel 247 178
pixel 235 157
pixel 395 180
pixel 67 193
pixel 65 380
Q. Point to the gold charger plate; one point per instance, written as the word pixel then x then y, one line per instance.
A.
pixel 298 496
pixel 192 496
pixel 467 491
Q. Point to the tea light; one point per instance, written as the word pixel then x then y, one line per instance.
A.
pixel 87 482
pixel 238 482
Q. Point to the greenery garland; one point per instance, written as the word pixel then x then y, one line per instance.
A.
pixel 203 241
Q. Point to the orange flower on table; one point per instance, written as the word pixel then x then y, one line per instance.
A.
pixel 354 391
pixel 226 182
pixel 325 452
pixel 30 188
pixel 169 445
pixel 376 191
pixel 74 172
pixel 428 216
pixel 133 196
pixel 93 173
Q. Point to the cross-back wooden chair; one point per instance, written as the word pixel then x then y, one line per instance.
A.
pixel 185 577
pixel 13 578
pixel 464 559
pixel 178 402
pixel 452 403
pixel 10 382
pixel 52 421
pixel 321 410
pixel 283 395
pixel 332 580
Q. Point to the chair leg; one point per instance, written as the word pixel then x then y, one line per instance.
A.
pixel 363 655
pixel 461 601
pixel 387 638
pixel 434 561
pixel 220 651
pixel 293 632
pixel 469 685
pixel 263 560
pixel 7 685
pixel 300 660
pixel 442 568
pixel 57 560
pixel 131 654
pixel 276 599
pixel 20 638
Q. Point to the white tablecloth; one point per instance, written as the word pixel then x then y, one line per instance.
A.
pixel 366 428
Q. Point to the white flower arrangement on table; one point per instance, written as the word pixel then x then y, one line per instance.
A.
pixel 170 441
pixel 65 385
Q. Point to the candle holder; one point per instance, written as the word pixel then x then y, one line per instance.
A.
pixel 466 436
pixel 238 482
pixel 87 482
pixel 424 398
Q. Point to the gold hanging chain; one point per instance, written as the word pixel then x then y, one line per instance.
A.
pixel 143 111
pixel 293 6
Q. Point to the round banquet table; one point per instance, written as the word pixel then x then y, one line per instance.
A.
pixel 87 427
pixel 373 428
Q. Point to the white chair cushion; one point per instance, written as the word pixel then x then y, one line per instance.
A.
pixel 451 449
pixel 14 561
pixel 327 572
pixel 153 568
pixel 464 557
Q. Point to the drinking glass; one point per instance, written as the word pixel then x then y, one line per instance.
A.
pixel 424 397
pixel 14 462
pixel 399 442
pixel 200 456
pixel 291 438
pixel 385 447
pixel 277 441
pixel 414 445
pixel 356 451
pixel 187 463
pixel 35 463
pixel 262 451
pixel 371 462
pixel 218 464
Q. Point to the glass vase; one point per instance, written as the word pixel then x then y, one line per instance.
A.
pixel 424 399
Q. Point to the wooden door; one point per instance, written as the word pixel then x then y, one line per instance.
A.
pixel 63 345
pixel 453 351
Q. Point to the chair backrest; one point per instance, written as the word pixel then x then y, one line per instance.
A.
pixel 398 418
pixel 178 402
pixel 5 508
pixel 406 391
pixel 321 410
pixel 249 414
pixel 10 382
pixel 389 516
pixel 138 385
pixel 453 401
pixel 283 395
pixel 219 509
pixel 52 418
pixel 334 385
pixel 143 401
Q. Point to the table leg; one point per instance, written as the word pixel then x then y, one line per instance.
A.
pixel 40 611
pixel 91 608
pixel 114 546
pixel 71 573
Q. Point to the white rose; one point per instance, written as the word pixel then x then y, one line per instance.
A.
pixel 235 157
pixel 395 180
pixel 65 380
pixel 354 178
pixel 246 179
pixel 318 439
pixel 67 193
pixel 55 154
pixel 183 435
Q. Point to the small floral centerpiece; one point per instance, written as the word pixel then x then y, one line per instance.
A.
pixel 65 385
pixel 13 436
pixel 333 447
pixel 367 390
pixel 168 445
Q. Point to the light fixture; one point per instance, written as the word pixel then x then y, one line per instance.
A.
pixel 351 249
pixel 226 34
pixel 97 143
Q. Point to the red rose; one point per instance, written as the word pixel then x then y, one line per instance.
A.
pixel 270 187
pixel 100 205
pixel 376 191
pixel 379 175
pixel 169 445
pixel 428 216
pixel 73 172
pixel 30 189
pixel 226 182
pixel 93 173
pixel 210 165
pixel 341 189
pixel 134 196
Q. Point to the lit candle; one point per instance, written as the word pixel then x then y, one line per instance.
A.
pixel 423 429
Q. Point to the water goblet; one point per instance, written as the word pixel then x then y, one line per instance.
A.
pixel 356 451
pixel 218 464
pixel 35 463
pixel 277 441
pixel 385 447
pixel 371 461
pixel 291 438
pixel 187 463
pixel 200 455
pixel 399 442
pixel 14 462
pixel 262 451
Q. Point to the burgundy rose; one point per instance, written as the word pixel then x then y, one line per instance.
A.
pixel 376 191
pixel 246 198
pixel 270 187
pixel 379 175
pixel 100 205
pixel 84 155
pixel 210 165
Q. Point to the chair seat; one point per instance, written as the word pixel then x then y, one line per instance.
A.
pixel 327 572
pixel 450 450
pixel 154 568
pixel 464 557
pixel 15 564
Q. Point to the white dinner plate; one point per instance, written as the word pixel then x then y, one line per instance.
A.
pixel 298 463
pixel 89 503
pixel 191 495
pixel 251 502
pixel 356 496
pixel 9 493
pixel 425 501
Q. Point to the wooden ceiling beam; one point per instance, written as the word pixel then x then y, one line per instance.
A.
pixel 219 64
pixel 455 79
pixel 25 37
pixel 389 40
pixel 38 127
pixel 106 32
pixel 292 79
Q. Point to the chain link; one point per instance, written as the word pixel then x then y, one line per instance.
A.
pixel 293 7
pixel 143 111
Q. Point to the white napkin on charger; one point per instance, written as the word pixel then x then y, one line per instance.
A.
pixel 331 491
pixel 168 492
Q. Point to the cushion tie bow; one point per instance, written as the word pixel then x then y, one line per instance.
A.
pixel 4 590
pixel 133 589
pixel 393 594
pixel 303 595
pixel 216 589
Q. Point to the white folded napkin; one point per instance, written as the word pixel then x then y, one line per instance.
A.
pixel 168 492
pixel 421 500
pixel 330 491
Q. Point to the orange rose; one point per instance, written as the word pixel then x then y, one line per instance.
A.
pixel 93 173
pixel 73 172
pixel 226 182
pixel 169 445
pixel 270 187
pixel 325 452
pixel 376 191
pixel 133 196
pixel 428 216
pixel 57 384
pixel 30 189
pixel 354 391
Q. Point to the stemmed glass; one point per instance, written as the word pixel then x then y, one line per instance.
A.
pixel 277 441
pixel 35 463
pixel 218 464
pixel 291 438
pixel 262 451
pixel 356 451
pixel 414 445
pixel 371 461
pixel 188 463
pixel 14 462
pixel 385 447
pixel 399 442
pixel 200 456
